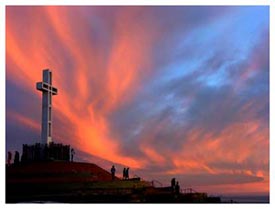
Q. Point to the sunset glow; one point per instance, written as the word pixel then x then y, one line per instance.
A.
pixel 167 91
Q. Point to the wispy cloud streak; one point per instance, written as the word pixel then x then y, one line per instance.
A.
pixel 163 90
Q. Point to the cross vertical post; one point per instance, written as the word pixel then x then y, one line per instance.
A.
pixel 47 92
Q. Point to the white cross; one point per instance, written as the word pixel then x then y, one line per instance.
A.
pixel 48 90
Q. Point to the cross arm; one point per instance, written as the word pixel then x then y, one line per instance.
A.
pixel 42 86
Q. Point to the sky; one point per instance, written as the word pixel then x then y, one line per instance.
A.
pixel 168 91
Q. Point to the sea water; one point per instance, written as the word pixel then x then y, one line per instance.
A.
pixel 246 199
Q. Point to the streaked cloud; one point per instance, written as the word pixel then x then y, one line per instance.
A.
pixel 163 90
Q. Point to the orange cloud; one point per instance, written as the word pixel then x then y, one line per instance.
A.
pixel 119 82
pixel 23 120
pixel 92 86
pixel 237 189
pixel 153 155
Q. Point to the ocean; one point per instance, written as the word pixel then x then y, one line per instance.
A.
pixel 246 199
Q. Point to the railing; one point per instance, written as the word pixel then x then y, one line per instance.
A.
pixel 156 181
pixel 188 190
pixel 136 176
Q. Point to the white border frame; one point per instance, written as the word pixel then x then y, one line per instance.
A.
pixel 4 3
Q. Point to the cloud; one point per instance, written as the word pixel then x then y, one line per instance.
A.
pixel 160 89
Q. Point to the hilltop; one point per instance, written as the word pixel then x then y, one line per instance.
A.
pixel 76 182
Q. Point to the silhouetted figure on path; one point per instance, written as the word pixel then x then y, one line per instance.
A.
pixel 173 184
pixel 113 172
pixel 127 173
pixel 72 154
pixel 16 158
pixel 177 188
pixel 124 173
pixel 9 158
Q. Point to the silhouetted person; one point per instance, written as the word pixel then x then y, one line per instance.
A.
pixel 16 158
pixel 173 184
pixel 113 172
pixel 9 158
pixel 124 173
pixel 177 188
pixel 72 154
pixel 127 173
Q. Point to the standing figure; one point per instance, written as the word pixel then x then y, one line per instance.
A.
pixel 9 158
pixel 177 188
pixel 127 173
pixel 16 158
pixel 113 172
pixel 124 173
pixel 173 184
pixel 72 154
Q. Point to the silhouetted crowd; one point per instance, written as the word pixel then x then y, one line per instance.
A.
pixel 16 159
pixel 175 187
pixel 125 173
pixel 33 153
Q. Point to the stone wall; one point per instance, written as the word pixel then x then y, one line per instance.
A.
pixel 45 152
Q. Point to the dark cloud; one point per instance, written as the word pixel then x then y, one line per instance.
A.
pixel 217 179
pixel 162 84
pixel 248 165
pixel 163 115
pixel 27 105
